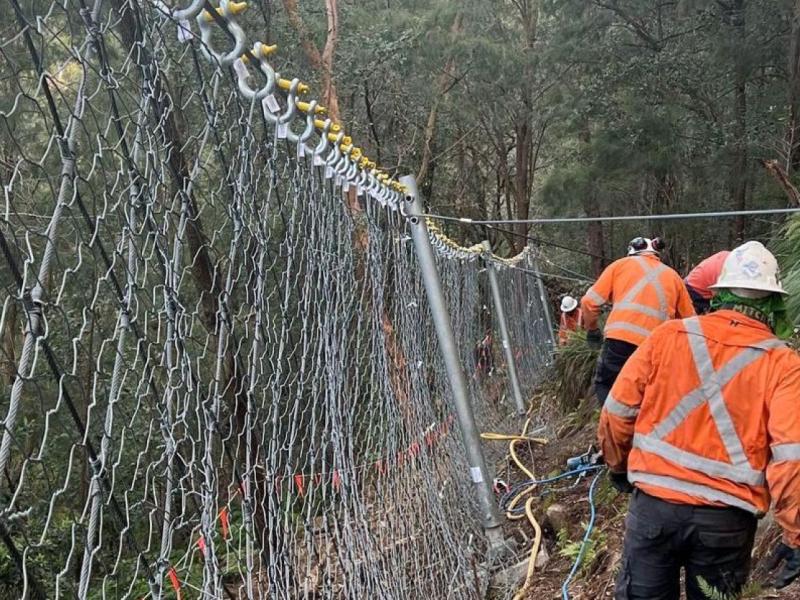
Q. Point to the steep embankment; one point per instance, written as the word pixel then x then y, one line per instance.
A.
pixel 563 510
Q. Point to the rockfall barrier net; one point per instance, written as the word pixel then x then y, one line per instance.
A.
pixel 221 373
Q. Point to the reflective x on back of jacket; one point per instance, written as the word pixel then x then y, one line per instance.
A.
pixel 701 433
pixel 644 293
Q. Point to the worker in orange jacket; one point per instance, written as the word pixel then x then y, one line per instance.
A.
pixel 571 319
pixel 703 421
pixel 701 278
pixel 644 293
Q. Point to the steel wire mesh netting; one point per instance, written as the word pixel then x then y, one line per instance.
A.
pixel 530 337
pixel 221 370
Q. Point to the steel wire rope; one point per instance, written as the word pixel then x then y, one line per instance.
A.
pixel 117 121
pixel 653 217
pixel 49 355
pixel 541 241
pixel 126 155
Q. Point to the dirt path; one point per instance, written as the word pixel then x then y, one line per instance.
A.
pixel 563 511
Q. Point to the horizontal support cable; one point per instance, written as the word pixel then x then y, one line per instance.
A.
pixel 660 217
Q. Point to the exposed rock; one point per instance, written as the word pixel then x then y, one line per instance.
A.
pixel 556 517
pixel 542 558
pixel 513 576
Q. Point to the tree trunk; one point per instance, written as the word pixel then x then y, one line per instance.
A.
pixel 595 243
pixel 329 94
pixel 522 183
pixel 322 62
pixel 443 85
pixel 774 168
pixel 736 20
pixel 793 131
pixel 594 234
pixel 523 127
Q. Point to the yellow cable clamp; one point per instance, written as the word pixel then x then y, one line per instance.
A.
pixel 286 85
pixel 346 140
pixel 334 128
pixel 333 132
pixel 306 106
pixel 235 8
pixel 264 52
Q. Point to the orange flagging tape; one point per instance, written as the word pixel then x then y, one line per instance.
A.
pixel 176 584
pixel 223 519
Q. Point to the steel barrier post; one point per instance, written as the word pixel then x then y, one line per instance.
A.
pixel 490 515
pixel 505 339
pixel 545 305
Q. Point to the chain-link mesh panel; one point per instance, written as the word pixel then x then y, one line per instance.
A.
pixel 222 375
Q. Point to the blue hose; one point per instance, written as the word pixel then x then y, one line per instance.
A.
pixel 584 543
pixel 526 484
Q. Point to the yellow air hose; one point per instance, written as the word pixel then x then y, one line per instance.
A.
pixel 537 542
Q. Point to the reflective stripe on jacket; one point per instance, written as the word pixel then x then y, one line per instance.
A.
pixel 569 322
pixel 644 293
pixel 707 412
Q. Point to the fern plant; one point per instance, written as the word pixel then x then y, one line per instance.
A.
pixel 570 549
pixel 751 590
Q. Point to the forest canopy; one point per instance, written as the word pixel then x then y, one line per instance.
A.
pixel 524 108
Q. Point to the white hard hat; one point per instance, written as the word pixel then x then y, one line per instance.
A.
pixel 641 245
pixel 750 267
pixel 568 304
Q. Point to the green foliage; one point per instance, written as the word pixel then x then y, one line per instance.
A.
pixel 571 549
pixel 787 248
pixel 751 590
pixel 605 494
pixel 574 369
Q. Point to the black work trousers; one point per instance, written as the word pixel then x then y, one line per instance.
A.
pixel 711 544
pixel 612 358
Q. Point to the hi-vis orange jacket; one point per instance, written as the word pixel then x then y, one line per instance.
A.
pixel 644 292
pixel 707 412
pixel 569 323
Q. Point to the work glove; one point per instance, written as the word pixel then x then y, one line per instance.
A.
pixel 594 339
pixel 790 557
pixel 620 482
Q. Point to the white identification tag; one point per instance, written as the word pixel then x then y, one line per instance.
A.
pixel 475 473
pixel 272 104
